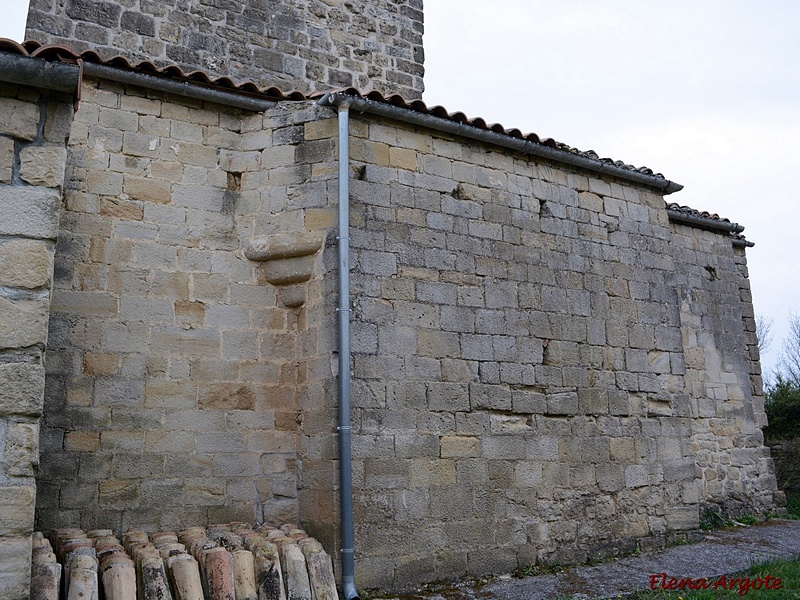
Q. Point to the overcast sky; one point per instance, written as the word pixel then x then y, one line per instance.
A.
pixel 705 92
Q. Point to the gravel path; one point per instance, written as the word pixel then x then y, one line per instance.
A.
pixel 721 552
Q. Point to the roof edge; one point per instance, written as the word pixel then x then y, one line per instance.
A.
pixel 462 129
pixel 25 70
pixel 186 88
pixel 702 220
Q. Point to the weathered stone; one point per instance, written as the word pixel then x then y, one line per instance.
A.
pixel 43 165
pixel 23 323
pixel 148 189
pixel 6 159
pixel 681 518
pixel 19 119
pixel 29 211
pixel 21 453
pixel 226 397
pixel 508 323
pixel 284 246
pixel 21 389
pixel 459 446
pixel 16 518
pixel 288 271
pixel 25 263
pixel 82 441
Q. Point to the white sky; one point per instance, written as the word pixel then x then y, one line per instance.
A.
pixel 705 92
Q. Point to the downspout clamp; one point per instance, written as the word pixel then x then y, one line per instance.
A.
pixel 343 313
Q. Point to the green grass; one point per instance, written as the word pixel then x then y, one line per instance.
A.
pixel 788 571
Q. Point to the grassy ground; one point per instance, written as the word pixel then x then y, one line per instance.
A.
pixel 787 571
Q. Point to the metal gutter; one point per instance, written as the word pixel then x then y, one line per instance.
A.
pixel 690 219
pixel 179 88
pixel 42 74
pixel 498 139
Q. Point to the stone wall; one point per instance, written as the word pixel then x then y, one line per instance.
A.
pixel 34 125
pixel 545 368
pixel 785 452
pixel 307 45
pixel 177 367
pixel 723 382
pixel 542 346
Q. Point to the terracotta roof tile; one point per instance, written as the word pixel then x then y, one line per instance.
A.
pixel 54 52
pixel 698 213
pixel 706 220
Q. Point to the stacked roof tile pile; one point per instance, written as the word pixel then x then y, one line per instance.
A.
pixel 224 562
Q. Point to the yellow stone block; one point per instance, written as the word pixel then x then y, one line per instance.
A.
pixel 403 158
pixel 319 130
pixel 319 218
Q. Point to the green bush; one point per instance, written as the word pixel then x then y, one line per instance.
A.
pixel 783 409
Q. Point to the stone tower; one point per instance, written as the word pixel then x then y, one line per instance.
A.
pixel 292 44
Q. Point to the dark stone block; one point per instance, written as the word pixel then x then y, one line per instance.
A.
pixel 339 78
pixel 138 23
pixel 51 24
pixel 213 44
pixel 266 59
pixel 183 55
pixel 102 13
pixel 91 33
pixel 246 23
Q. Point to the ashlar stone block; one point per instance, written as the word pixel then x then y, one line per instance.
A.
pixel 17 501
pixel 19 119
pixel 43 165
pixel 25 264
pixel 21 389
pixel 23 322
pixel 459 446
pixel 29 211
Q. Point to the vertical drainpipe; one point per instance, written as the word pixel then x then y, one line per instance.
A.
pixel 343 313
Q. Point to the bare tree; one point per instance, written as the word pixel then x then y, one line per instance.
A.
pixel 764 333
pixel 789 364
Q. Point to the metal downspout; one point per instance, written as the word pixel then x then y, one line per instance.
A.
pixel 343 311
